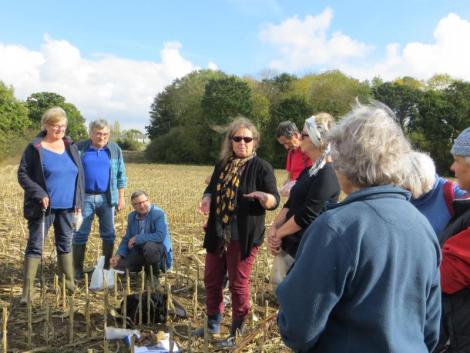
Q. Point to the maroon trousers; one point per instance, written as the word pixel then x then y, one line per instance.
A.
pixel 217 265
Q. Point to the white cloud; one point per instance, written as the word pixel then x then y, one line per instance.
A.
pixel 107 86
pixel 448 53
pixel 307 43
pixel 212 66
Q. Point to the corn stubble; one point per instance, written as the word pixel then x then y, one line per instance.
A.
pixel 56 321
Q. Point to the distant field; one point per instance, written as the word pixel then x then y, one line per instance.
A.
pixel 174 188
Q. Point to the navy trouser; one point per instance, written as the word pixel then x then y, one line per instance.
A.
pixel 151 253
pixel 62 221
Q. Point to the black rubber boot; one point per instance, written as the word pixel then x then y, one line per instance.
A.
pixel 31 265
pixel 213 326
pixel 107 249
pixel 78 259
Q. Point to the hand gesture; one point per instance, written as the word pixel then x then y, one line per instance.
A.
pixel 115 260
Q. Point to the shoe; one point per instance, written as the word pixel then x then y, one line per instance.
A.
pixel 231 340
pixel 213 326
pixel 78 259
pixel 31 265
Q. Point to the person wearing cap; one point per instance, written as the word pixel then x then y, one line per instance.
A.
pixel 316 186
pixel 105 182
pixel 288 135
pixel 455 265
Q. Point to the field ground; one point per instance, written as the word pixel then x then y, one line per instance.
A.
pixel 55 327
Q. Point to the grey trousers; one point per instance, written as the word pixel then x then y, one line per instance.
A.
pixel 150 254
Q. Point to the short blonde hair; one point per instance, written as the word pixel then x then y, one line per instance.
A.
pixel 53 116
pixel 237 124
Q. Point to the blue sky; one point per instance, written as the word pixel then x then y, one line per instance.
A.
pixel 110 58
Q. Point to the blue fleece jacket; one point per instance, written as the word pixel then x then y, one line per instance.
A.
pixel 118 179
pixel 155 229
pixel 433 204
pixel 366 279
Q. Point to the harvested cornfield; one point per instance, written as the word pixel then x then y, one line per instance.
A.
pixel 55 322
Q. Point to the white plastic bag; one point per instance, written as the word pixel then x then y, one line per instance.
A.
pixel 98 274
pixel 282 262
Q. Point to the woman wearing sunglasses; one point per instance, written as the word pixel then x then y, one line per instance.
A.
pixel 315 186
pixel 241 188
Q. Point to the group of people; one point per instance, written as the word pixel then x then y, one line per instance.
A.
pixel 66 184
pixel 387 269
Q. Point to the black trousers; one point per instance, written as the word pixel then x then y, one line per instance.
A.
pixel 150 254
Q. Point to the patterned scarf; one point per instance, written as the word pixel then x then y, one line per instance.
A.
pixel 227 188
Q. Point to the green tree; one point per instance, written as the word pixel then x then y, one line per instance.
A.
pixel 402 99
pixel 38 103
pixel 335 93
pixel 13 113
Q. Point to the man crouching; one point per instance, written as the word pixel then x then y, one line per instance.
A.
pixel 147 241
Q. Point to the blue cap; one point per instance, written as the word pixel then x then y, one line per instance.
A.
pixel 461 145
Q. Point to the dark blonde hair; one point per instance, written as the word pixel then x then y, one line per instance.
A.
pixel 53 116
pixel 237 124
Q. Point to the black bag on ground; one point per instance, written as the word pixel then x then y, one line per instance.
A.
pixel 158 308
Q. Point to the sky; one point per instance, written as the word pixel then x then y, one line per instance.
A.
pixel 111 58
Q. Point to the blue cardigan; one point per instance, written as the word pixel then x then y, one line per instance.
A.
pixel 366 279
pixel 117 178
pixel 156 229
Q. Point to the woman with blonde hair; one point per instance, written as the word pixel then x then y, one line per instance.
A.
pixel 51 175
pixel 241 189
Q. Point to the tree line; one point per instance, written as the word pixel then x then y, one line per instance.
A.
pixel 188 117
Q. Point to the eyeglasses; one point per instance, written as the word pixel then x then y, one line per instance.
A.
pixel 58 127
pixel 303 135
pixel 135 204
pixel 246 139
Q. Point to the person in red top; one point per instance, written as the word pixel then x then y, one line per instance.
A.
pixel 289 136
pixel 455 265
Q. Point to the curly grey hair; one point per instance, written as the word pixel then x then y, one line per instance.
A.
pixel 368 147
pixel 98 124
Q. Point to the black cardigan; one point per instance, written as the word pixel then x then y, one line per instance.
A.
pixel 32 180
pixel 308 199
pixel 257 176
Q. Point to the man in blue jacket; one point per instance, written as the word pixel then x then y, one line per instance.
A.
pixel 105 181
pixel 147 241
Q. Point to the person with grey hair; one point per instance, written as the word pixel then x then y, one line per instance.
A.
pixel 241 189
pixel 288 135
pixel 105 182
pixel 316 186
pixel 455 265
pixel 358 284
pixel 432 194
pixel 51 174
pixel 147 242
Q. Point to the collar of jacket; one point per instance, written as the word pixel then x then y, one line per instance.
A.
pixel 37 140
pixel 374 192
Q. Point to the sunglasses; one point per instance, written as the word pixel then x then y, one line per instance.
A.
pixel 240 138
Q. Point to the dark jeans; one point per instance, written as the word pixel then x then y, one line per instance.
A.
pixel 239 272
pixel 63 231
pixel 150 254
